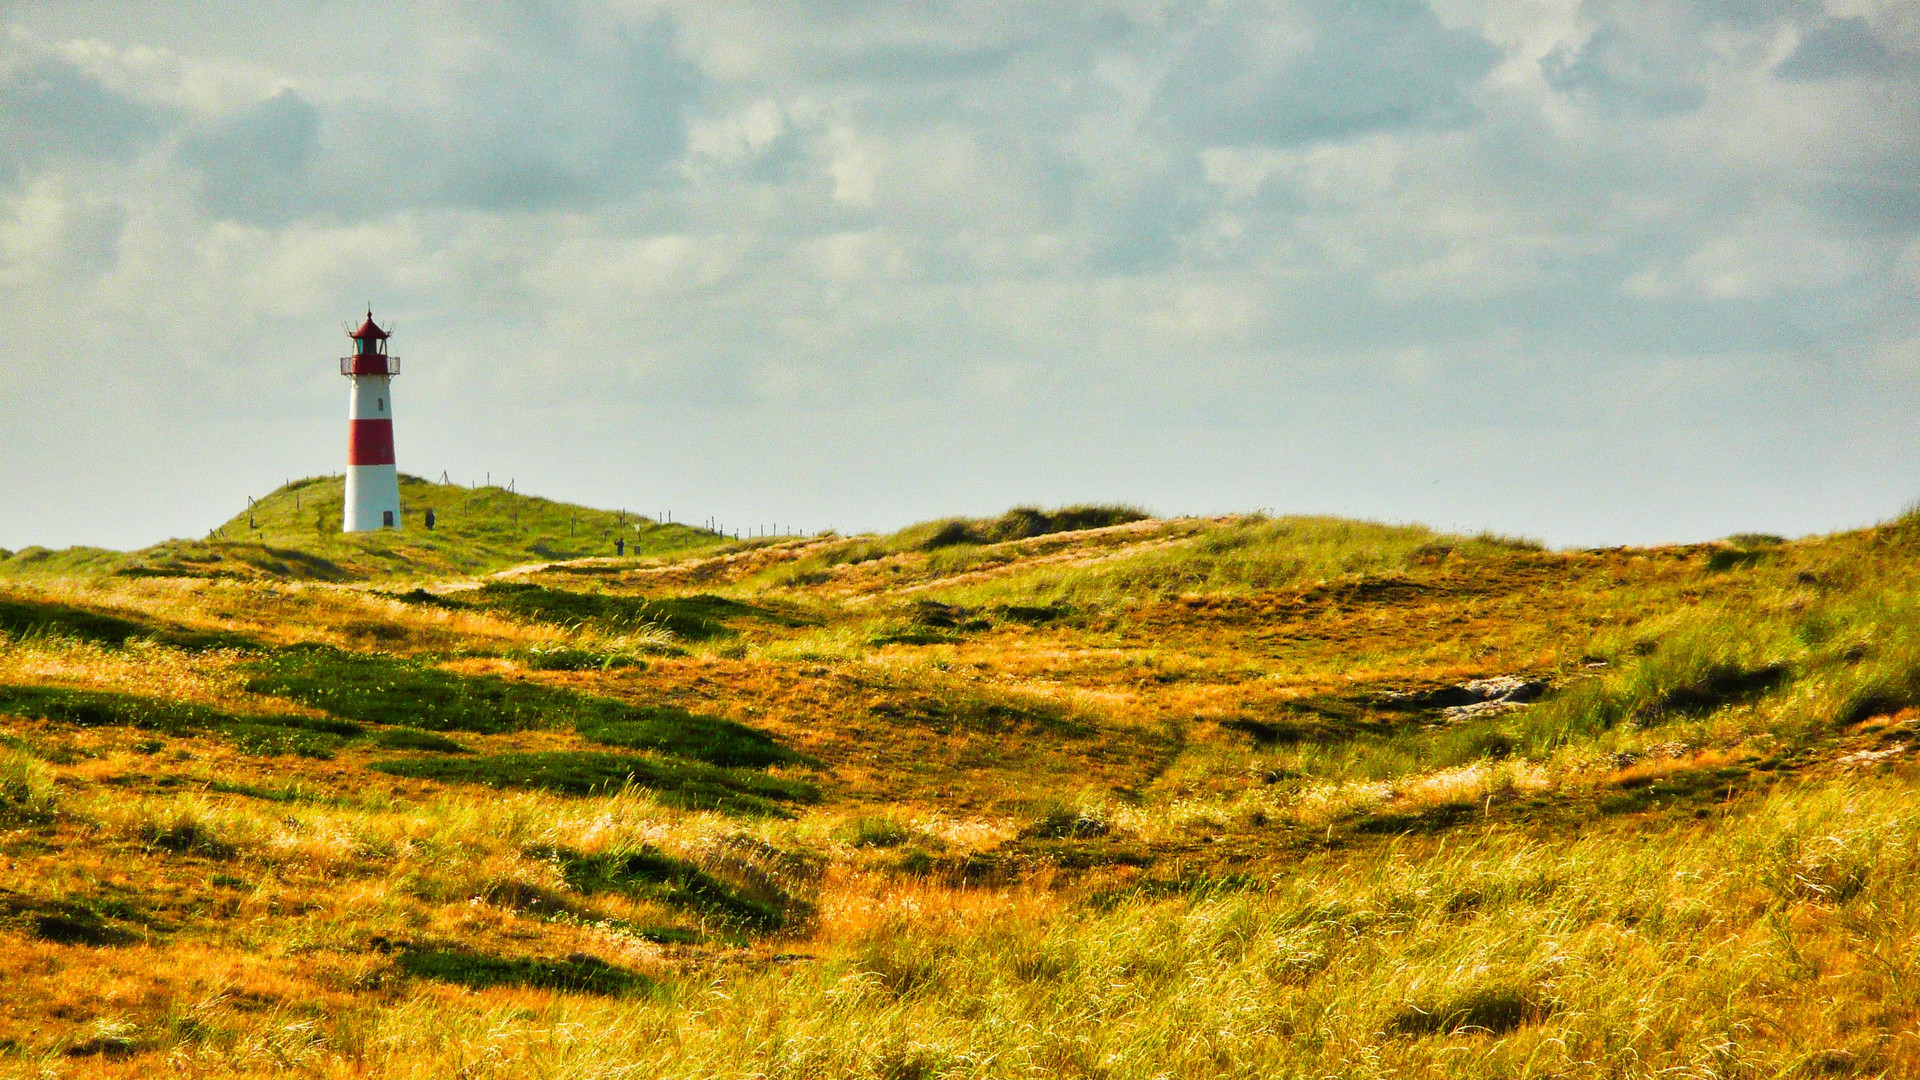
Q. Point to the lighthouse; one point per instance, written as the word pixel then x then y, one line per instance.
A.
pixel 373 483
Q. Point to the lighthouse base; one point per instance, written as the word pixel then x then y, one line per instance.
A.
pixel 373 498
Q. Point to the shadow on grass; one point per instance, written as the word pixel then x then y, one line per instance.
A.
pixel 1678 788
pixel 387 690
pixel 96 922
pixel 1493 1010
pixel 670 729
pixel 962 709
pixel 686 784
pixel 579 973
pixel 689 618
pixel 255 734
pixel 24 618
pixel 1724 684
pixel 653 875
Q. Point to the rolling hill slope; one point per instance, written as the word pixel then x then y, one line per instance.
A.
pixel 1071 794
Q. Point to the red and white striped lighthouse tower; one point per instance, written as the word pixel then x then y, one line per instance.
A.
pixel 373 482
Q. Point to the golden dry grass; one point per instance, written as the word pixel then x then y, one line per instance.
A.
pixel 1123 802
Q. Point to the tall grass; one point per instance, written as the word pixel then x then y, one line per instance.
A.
pixel 1774 944
pixel 26 788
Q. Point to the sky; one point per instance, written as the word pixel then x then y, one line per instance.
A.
pixel 1592 272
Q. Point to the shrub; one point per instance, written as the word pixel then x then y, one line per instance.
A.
pixel 187 831
pixel 1019 523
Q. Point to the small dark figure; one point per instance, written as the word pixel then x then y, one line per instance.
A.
pixel 620 545
pixel 429 518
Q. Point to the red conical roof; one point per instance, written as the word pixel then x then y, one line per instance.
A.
pixel 368 330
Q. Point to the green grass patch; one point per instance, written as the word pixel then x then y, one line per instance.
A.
pixel 1689 786
pixel 387 690
pixel 91 921
pixel 27 794
pixel 289 792
pixel 294 533
pixel 579 973
pixel 687 784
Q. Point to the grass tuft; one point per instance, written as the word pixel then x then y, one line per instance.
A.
pixel 26 789
pixel 877 831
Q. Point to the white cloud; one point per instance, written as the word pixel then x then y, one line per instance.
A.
pixel 1772 253
pixel 854 163
pixel 889 227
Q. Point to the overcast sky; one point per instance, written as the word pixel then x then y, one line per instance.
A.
pixel 1589 272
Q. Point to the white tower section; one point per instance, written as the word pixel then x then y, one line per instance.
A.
pixel 373 479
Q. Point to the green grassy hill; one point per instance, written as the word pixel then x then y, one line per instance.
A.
pixel 295 533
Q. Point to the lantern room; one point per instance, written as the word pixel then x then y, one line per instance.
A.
pixel 370 356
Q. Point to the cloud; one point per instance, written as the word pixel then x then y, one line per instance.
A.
pixel 255 163
pixel 53 112
pixel 579 115
pixel 1614 71
pixel 873 261
pixel 1842 48
pixel 53 237
pixel 1255 72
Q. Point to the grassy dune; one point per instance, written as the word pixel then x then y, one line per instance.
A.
pixel 1079 793
pixel 294 533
